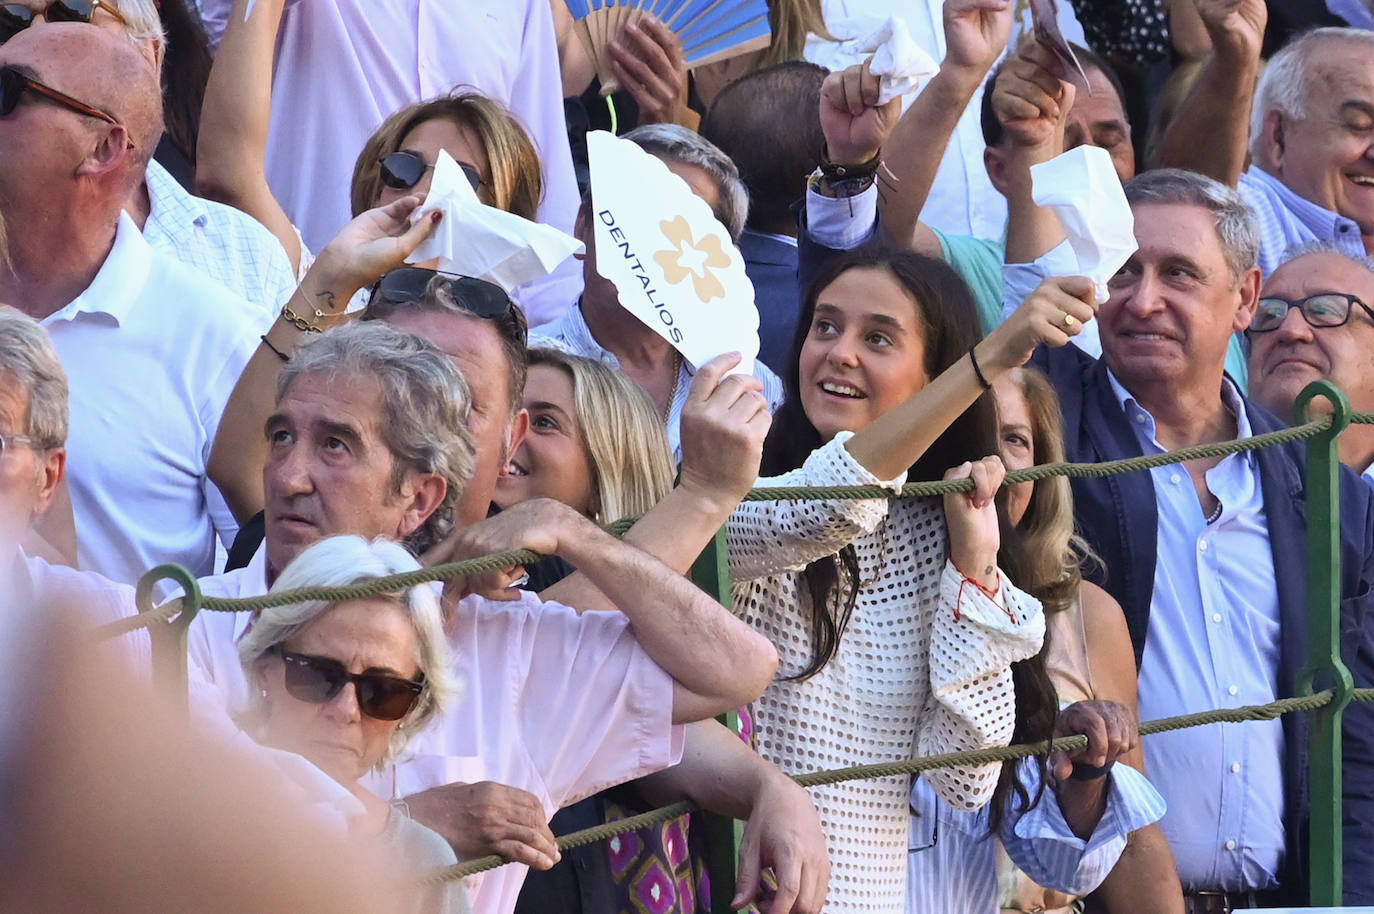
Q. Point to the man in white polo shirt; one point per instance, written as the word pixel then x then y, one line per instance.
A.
pixel 151 349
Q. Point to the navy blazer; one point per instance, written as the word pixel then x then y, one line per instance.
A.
pixel 1118 516
pixel 772 267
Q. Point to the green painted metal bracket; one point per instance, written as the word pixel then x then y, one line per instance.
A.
pixel 1324 666
pixel 711 572
pixel 169 641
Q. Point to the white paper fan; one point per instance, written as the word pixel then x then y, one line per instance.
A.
pixel 670 259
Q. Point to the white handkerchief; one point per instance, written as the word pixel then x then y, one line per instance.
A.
pixel 1082 188
pixel 474 239
pixel 901 63
pixel 672 262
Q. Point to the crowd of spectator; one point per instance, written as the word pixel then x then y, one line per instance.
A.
pixel 216 351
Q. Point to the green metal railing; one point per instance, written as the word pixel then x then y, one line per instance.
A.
pixel 1324 670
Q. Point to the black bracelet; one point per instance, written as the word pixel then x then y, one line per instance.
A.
pixel 978 372
pixel 268 343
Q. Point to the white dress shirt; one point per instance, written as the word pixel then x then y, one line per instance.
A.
pixel 152 351
pixel 555 703
pixel 221 243
pixel 962 201
pixel 344 65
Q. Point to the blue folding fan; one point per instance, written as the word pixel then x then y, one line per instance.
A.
pixel 710 30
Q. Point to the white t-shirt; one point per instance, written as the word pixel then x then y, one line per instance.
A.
pixel 555 703
pixel 152 351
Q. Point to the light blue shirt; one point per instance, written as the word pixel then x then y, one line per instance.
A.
pixel 952 859
pixel 1213 642
pixel 1287 220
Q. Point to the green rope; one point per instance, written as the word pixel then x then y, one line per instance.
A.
pixel 452 570
pixel 973 757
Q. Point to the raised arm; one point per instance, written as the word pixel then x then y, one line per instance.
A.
pixel 724 424
pixel 718 663
pixel 975 34
pixel 898 438
pixel 1031 103
pixel 1211 128
pixel 232 144
pixel 373 243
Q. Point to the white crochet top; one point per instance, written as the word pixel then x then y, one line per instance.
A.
pixel 910 677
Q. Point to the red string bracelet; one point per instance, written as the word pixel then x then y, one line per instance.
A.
pixel 990 594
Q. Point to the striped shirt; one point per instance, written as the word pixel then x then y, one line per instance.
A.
pixel 952 859
pixel 1287 220
pixel 220 243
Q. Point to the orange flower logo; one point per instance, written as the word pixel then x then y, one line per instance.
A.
pixel 688 257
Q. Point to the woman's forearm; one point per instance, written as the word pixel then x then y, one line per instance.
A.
pixel 232 144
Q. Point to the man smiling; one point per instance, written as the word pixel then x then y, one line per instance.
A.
pixel 1315 320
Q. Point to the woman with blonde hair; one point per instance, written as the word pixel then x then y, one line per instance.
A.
pixel 595 442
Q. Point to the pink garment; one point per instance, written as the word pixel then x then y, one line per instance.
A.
pixel 559 704
pixel 344 65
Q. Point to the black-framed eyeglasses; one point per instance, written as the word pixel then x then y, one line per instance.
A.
pixel 410 285
pixel 403 170
pixel 9 441
pixel 14 83
pixel 15 17
pixel 1325 309
pixel 318 679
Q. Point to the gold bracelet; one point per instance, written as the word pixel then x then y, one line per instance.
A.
pixel 301 323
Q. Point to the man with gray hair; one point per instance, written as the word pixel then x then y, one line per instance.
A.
pixel 1315 319
pixel 597 327
pixel 1309 132
pixel 1206 558
pixel 33 457
pixel 369 437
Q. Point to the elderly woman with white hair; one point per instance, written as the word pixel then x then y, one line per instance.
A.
pixel 347 685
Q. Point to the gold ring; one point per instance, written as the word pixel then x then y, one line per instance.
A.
pixel 1068 321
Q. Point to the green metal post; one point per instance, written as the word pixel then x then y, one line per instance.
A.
pixel 1324 666
pixel 711 572
pixel 169 641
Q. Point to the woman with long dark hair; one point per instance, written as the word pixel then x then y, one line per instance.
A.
pixel 895 628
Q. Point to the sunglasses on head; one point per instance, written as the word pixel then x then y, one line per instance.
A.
pixel 318 679
pixel 14 83
pixel 410 285
pixel 403 170
pixel 15 17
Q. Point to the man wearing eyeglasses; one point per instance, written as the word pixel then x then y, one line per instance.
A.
pixel 1206 557
pixel 151 348
pixel 1314 321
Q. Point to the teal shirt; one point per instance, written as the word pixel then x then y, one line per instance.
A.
pixel 978 261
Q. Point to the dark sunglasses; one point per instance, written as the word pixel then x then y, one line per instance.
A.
pixel 403 170
pixel 14 83
pixel 15 17
pixel 319 679
pixel 1325 309
pixel 410 285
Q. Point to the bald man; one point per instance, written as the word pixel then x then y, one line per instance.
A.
pixel 1315 320
pixel 151 349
